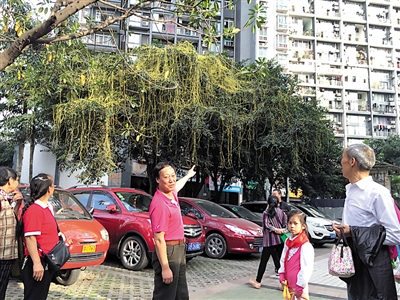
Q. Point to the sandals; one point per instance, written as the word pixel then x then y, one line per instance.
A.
pixel 255 284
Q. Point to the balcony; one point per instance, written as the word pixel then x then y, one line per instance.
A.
pixel 305 67
pixel 281 45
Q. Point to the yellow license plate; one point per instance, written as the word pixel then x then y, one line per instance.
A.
pixel 88 248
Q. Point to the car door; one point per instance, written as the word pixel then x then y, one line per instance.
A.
pixel 187 208
pixel 110 219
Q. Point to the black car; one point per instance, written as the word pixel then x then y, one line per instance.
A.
pixel 244 213
pixel 257 207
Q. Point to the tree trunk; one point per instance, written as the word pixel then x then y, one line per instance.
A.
pixel 21 147
pixel 31 153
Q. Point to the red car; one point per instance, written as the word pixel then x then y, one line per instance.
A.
pixel 124 213
pixel 88 240
pixel 225 232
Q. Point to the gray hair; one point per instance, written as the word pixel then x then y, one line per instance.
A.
pixel 363 154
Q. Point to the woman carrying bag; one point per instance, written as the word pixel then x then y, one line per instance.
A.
pixel 39 230
pixel 274 225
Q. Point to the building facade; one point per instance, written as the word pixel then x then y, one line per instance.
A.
pixel 345 54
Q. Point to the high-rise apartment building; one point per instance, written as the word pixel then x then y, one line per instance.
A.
pixel 346 54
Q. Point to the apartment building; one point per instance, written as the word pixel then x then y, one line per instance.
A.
pixel 152 26
pixel 346 54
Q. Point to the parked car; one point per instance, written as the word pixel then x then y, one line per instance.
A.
pixel 315 212
pixel 225 232
pixel 244 213
pixel 319 228
pixel 255 206
pixel 88 240
pixel 124 212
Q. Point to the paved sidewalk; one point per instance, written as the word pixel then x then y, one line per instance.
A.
pixel 208 279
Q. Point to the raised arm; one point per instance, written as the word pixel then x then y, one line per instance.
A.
pixel 181 182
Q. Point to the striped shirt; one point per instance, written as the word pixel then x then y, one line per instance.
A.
pixel 8 222
pixel 270 238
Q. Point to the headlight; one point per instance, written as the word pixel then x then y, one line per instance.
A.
pixel 316 224
pixel 104 234
pixel 237 230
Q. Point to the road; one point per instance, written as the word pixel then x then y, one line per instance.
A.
pixel 111 281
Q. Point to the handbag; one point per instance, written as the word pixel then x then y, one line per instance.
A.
pixel 285 236
pixel 57 256
pixel 340 262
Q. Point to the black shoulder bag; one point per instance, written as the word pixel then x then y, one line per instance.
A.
pixel 57 256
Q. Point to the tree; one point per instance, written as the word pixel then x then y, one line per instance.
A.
pixel 6 154
pixel 18 36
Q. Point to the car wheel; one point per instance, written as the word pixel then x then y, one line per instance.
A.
pixel 215 246
pixel 132 254
pixel 67 277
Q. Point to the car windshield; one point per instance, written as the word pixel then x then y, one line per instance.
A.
pixel 245 213
pixel 315 212
pixel 134 202
pixel 65 205
pixel 214 210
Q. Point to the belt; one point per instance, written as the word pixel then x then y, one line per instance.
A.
pixel 174 242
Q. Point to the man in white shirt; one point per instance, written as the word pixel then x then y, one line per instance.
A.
pixel 368 203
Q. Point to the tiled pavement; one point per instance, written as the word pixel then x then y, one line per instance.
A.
pixel 207 279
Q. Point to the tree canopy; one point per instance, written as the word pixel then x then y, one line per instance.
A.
pixel 173 103
pixel 58 21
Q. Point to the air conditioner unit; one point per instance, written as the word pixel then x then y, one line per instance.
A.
pixel 393 122
pixel 338 98
pixel 391 103
pixel 145 23
pixel 339 123
pixel 340 128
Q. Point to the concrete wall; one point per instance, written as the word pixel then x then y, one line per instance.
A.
pixel 44 161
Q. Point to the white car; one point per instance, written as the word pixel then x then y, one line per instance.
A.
pixel 320 230
pixel 319 225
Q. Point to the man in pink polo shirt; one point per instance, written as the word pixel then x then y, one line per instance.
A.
pixel 169 259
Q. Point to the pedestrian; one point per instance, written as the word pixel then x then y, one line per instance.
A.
pixel 10 202
pixel 285 207
pixel 281 204
pixel 169 258
pixel 39 230
pixel 297 260
pixel 274 225
pixel 368 205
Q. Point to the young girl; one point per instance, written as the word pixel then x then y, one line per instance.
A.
pixel 297 260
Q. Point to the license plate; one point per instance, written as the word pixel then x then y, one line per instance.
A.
pixel 88 248
pixel 194 246
pixel 333 235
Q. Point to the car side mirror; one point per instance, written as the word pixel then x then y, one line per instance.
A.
pixel 111 208
pixel 191 215
pixel 91 210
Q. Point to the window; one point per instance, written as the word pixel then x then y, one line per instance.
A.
pixel 187 209
pixel 281 21
pixel 263 33
pixel 262 52
pixel 83 198
pixel 100 201
pixel 103 39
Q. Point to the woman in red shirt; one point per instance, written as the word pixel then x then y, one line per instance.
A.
pixel 40 230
